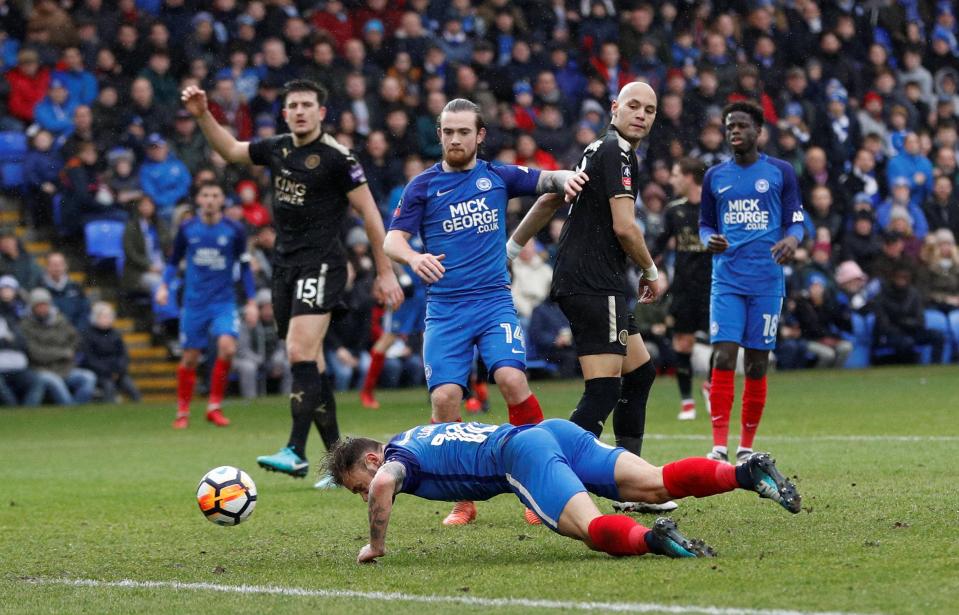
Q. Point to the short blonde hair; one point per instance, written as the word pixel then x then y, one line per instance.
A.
pixel 100 308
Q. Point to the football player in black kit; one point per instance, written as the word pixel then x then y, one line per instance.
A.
pixel 590 275
pixel 315 180
pixel 692 274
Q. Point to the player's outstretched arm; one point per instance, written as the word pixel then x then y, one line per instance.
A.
pixel 536 218
pixel 383 488
pixel 386 288
pixel 553 181
pixel 225 144
pixel 429 267
pixel 630 236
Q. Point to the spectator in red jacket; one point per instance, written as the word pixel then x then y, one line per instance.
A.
pixel 28 85
pixel 229 110
pixel 255 214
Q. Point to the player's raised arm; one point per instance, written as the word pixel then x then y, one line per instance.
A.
pixel 386 288
pixel 536 218
pixel 426 265
pixel 630 236
pixel 382 490
pixel 225 144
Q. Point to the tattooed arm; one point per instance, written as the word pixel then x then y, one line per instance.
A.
pixel 383 488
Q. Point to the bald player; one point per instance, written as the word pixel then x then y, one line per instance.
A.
pixel 590 281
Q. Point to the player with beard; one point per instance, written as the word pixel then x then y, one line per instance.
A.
pixel 211 245
pixel 751 219
pixel 691 273
pixel 458 208
pixel 315 180
pixel 590 275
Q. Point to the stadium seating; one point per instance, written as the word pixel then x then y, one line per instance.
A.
pixel 104 242
pixel 861 339
pixel 937 321
pixel 13 148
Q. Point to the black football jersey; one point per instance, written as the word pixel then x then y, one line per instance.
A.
pixel 590 259
pixel 310 184
pixel 693 267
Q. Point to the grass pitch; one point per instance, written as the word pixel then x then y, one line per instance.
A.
pixel 107 493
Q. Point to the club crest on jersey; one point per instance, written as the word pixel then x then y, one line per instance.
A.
pixel 428 371
pixel 222 240
pixel 312 161
pixel 762 186
pixel 627 177
pixel 483 184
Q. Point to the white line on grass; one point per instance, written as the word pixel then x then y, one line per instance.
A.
pixel 816 438
pixel 618 607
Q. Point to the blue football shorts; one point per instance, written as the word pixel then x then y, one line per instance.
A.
pixel 454 328
pixel 548 464
pixel 408 319
pixel 750 321
pixel 199 324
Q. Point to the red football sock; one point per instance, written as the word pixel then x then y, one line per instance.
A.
pixel 376 368
pixel 698 476
pixel 721 404
pixel 526 412
pixel 618 535
pixel 754 401
pixel 218 380
pixel 185 379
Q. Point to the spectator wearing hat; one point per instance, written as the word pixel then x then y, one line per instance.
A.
pixel 380 10
pixel 900 321
pixel 17 262
pixel 19 385
pixel 870 116
pixel 861 243
pixel 55 112
pixel 164 178
pixel 839 130
pixel 52 345
pixel 202 41
pixel 68 296
pixel 942 206
pixel 854 292
pixel 939 275
pixel 893 257
pixel 41 176
pixel 145 237
pixel 861 179
pixel 942 51
pixel 822 321
pixel 12 304
pixel 255 214
pixel 80 83
pixel 795 123
pixel 187 143
pixel 454 41
pixel 104 353
pixel 901 203
pixel 122 179
pixel 913 166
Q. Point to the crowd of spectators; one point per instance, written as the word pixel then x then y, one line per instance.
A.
pixel 860 97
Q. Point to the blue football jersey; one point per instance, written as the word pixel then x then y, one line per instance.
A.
pixel 752 206
pixel 452 461
pixel 211 252
pixel 463 215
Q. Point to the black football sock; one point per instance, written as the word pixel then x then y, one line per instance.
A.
pixel 684 374
pixel 305 396
pixel 597 402
pixel 324 415
pixel 629 417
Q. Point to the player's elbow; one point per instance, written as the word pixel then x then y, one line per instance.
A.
pixel 624 229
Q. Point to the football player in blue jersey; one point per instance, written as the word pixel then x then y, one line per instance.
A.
pixel 211 246
pixel 552 467
pixel 458 208
pixel 751 219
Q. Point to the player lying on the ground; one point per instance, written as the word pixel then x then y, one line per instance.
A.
pixel 552 467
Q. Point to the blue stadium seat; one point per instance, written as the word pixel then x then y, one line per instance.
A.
pixel 13 147
pixel 11 176
pixel 937 321
pixel 104 241
pixel 861 339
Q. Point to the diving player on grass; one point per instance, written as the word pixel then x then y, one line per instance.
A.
pixel 552 467
pixel 751 219
pixel 458 208
pixel 211 245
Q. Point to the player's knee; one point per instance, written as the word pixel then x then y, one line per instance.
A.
pixel 724 356
pixel 190 359
pixel 226 348
pixel 513 384
pixel 683 343
pixel 445 400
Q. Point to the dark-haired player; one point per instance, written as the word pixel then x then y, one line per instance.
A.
pixel 552 467
pixel 598 239
pixel 751 219
pixel 692 270
pixel 458 208
pixel 211 245
pixel 315 180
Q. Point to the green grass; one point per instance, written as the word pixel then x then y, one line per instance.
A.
pixel 107 493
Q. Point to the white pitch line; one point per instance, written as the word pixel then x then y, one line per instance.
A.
pixel 618 607
pixel 840 438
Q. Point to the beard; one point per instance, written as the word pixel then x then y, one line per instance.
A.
pixel 460 157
